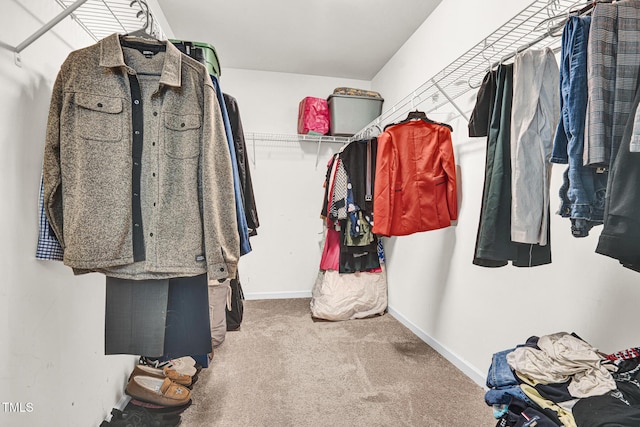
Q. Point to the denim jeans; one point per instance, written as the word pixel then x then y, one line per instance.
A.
pixel 502 382
pixel 583 192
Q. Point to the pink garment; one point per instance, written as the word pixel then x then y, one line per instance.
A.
pixel 313 116
pixel 331 253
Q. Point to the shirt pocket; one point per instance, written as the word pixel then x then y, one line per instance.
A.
pixel 182 135
pixel 99 117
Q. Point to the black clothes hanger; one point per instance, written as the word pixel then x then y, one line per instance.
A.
pixel 419 115
pixel 413 115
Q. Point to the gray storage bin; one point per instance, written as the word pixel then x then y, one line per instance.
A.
pixel 349 114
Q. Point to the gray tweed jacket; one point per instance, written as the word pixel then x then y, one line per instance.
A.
pixel 186 192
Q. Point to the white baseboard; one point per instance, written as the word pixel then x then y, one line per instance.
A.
pixel 470 371
pixel 277 295
pixel 122 403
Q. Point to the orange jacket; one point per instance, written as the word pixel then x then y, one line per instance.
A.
pixel 415 186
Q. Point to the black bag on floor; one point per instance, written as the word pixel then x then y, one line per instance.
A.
pixel 520 414
pixel 234 315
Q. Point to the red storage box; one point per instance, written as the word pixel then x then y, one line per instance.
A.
pixel 313 116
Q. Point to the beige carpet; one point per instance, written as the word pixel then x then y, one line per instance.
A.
pixel 283 369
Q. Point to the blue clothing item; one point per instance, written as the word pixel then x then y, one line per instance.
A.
pixel 500 373
pixel 502 383
pixel 583 192
pixel 503 396
pixel 380 249
pixel 243 228
pixel 48 245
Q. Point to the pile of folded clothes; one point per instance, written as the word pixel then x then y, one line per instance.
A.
pixel 159 392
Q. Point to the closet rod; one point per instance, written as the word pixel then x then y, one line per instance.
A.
pixel 49 25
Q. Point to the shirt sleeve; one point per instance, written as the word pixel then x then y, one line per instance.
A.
pixel 449 166
pixel 384 186
pixel 222 241
pixel 52 172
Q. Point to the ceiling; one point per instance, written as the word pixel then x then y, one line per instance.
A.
pixel 337 38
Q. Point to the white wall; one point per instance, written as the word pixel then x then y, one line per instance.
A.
pixel 287 184
pixel 52 324
pixel 469 312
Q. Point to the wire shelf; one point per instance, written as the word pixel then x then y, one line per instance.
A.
pixel 101 18
pixel 255 136
pixel 534 26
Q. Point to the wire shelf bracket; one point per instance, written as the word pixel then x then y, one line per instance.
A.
pixel 98 18
pixel 44 29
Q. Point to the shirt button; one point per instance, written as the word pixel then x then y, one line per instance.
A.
pixel 135 163
pixel 135 194
pixel 137 225
pixel 182 125
pixel 100 104
pixel 135 101
pixel 154 174
pixel 151 234
pixel 153 143
pixel 155 113
pixel 137 132
pixel 221 268
pixel 154 204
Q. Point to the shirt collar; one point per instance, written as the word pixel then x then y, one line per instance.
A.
pixel 111 56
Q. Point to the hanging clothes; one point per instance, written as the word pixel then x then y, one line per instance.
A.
pixel 494 247
pixel 613 63
pixel 135 316
pixel 354 258
pixel 359 159
pixel 344 247
pixel 415 188
pixel 203 53
pixel 534 119
pixel 48 247
pixel 243 228
pixel 481 114
pixel 244 171
pixel 330 259
pixel 582 193
pixel 158 318
pixel 349 245
pixel 338 208
pixel 620 237
pixel 140 191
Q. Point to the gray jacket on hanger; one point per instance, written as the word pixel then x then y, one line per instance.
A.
pixel 139 193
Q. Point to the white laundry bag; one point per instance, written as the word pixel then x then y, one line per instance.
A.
pixel 338 296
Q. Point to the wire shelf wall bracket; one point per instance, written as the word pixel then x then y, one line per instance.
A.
pixel 98 18
pixel 43 30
